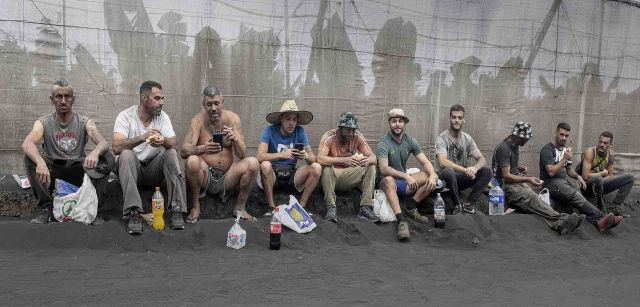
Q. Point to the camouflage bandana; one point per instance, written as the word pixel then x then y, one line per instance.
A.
pixel 347 119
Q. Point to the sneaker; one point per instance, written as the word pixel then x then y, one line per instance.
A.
pixel 135 223
pixel 403 231
pixel 569 224
pixel 331 214
pixel 44 217
pixel 605 222
pixel 97 221
pixel 468 208
pixel 414 214
pixel 367 213
pixel 457 209
pixel 177 222
pixel 616 220
pixel 617 211
pixel 581 218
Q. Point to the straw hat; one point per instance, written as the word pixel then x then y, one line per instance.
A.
pixel 289 106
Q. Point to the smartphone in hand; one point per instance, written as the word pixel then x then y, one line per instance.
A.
pixel 299 146
pixel 217 137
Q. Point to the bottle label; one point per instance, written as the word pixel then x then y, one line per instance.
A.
pixel 275 228
pixel 158 204
pixel 496 199
pixel 438 214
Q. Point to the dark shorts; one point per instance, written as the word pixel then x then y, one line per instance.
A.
pixel 282 181
pixel 215 183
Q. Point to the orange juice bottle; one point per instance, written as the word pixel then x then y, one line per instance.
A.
pixel 157 206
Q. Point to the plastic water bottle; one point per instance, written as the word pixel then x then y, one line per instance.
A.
pixel 275 230
pixel 438 212
pixel 496 201
pixel 157 207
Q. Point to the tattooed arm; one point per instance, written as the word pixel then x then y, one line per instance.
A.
pixel 101 145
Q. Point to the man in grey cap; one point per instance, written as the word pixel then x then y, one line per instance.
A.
pixel 513 179
pixel 394 149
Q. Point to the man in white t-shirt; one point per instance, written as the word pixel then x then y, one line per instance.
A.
pixel 144 140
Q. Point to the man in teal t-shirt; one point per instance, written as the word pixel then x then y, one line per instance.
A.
pixel 394 149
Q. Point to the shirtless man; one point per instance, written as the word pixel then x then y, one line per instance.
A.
pixel 214 138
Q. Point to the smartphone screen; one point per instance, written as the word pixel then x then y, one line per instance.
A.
pixel 299 146
pixel 217 137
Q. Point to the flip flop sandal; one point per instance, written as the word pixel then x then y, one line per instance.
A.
pixel 192 220
pixel 242 212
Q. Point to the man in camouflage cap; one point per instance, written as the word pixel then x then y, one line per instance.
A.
pixel 347 162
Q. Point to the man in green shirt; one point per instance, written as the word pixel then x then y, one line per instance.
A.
pixel 394 149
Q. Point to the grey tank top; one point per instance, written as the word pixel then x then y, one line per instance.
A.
pixel 64 142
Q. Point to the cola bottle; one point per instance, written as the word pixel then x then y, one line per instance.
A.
pixel 275 230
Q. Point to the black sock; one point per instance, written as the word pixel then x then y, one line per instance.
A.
pixel 400 217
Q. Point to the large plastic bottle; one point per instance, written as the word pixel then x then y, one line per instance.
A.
pixel 275 230
pixel 496 201
pixel 157 207
pixel 438 212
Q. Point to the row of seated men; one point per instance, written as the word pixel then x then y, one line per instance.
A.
pixel 144 150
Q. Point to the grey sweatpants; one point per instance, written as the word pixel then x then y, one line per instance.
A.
pixel 133 172
pixel 521 196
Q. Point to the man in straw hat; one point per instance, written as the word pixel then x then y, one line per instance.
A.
pixel 210 145
pixel 555 168
pixel 393 152
pixel 347 162
pixel 286 159
pixel 513 179
pixel 454 148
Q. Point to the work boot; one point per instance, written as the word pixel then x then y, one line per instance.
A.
pixel 414 214
pixel 403 231
pixel 135 223
pixel 367 213
pixel 44 217
pixel 177 222
pixel 331 214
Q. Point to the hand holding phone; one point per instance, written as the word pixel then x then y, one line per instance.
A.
pixel 217 137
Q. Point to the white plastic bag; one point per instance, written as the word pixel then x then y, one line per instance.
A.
pixel 236 237
pixel 544 195
pixel 382 208
pixel 295 217
pixel 80 206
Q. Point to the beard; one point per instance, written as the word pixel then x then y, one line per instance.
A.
pixel 393 131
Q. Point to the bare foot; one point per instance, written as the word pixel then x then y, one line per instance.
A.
pixel 193 216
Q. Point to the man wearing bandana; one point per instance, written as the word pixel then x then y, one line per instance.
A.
pixel 513 179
